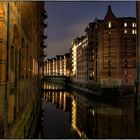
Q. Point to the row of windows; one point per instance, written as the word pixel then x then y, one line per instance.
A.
pixel 125 24
pixel 125 63
pixel 125 73
pixel 133 31
pixel 133 24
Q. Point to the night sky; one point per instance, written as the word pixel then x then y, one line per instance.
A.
pixel 67 20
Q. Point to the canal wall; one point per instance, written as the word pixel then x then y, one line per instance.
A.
pixel 19 108
pixel 24 123
pixel 91 88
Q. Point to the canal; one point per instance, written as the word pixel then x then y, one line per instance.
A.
pixel 67 113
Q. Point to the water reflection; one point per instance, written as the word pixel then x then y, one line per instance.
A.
pixel 87 117
pixel 93 119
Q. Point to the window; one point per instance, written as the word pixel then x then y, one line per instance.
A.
pixel 125 31
pixel 126 73
pixel 109 63
pixel 109 40
pixel 109 53
pixel 125 39
pixel 0 63
pixel 12 58
pixel 133 31
pixel 109 24
pixel 134 39
pixel 109 73
pixel 134 63
pixel 133 24
pixel 125 24
pixel 109 46
pixel 96 64
pixel 109 32
pixel 125 63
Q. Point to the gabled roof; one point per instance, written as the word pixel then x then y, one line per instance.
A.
pixel 110 15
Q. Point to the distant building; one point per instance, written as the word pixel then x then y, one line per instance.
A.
pixel 59 66
pixel 74 59
pixel 67 64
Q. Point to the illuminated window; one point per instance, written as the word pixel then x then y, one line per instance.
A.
pixel 109 32
pixel 109 24
pixel 133 24
pixel 125 24
pixel 125 31
pixel 125 72
pixel 133 31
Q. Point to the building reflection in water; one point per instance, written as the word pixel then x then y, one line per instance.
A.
pixel 92 119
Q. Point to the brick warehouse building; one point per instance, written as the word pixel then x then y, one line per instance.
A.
pixel 21 36
pixel 117 50
pixel 111 52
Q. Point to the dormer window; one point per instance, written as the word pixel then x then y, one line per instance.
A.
pixel 109 24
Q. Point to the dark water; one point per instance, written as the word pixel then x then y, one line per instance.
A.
pixel 69 114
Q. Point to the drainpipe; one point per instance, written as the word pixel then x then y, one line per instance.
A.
pixel 7 74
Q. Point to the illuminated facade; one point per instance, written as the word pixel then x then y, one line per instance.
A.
pixel 59 66
pixel 82 59
pixel 74 47
pixel 20 37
